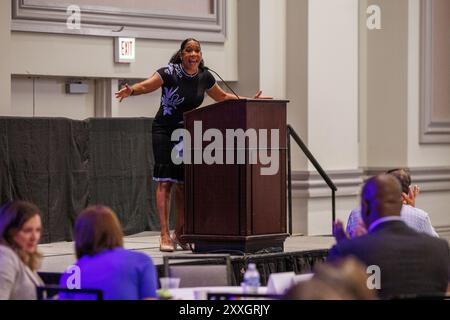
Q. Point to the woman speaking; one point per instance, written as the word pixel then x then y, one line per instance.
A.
pixel 184 82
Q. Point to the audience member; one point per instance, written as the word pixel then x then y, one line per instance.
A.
pixel 411 263
pixel 103 262
pixel 20 231
pixel 414 217
pixel 344 280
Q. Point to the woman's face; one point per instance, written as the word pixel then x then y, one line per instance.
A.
pixel 191 56
pixel 28 236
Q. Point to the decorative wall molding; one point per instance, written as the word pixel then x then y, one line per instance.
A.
pixel 443 232
pixel 433 129
pixel 307 184
pixel 32 16
pixel 431 179
pixel 428 178
pixel 443 229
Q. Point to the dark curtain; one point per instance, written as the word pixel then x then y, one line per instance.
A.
pixel 120 170
pixel 64 165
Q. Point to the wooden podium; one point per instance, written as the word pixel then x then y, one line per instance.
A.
pixel 233 207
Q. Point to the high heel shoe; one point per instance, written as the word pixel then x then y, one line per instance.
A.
pixel 166 247
pixel 176 241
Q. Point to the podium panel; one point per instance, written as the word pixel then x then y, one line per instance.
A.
pixel 234 206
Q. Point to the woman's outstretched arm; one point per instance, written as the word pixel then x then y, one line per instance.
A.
pixel 149 85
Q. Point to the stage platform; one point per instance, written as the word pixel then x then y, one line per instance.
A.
pixel 300 254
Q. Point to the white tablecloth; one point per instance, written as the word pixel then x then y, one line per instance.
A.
pixel 200 293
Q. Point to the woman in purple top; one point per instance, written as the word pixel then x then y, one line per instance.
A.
pixel 104 264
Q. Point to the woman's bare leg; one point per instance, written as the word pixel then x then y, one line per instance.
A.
pixel 179 197
pixel 162 204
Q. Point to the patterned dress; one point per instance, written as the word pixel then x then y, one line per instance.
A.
pixel 181 92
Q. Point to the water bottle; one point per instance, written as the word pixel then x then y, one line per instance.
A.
pixel 251 279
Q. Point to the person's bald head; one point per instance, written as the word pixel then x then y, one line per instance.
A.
pixel 381 197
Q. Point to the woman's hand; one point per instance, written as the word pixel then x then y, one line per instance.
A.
pixel 339 232
pixel 259 96
pixel 219 95
pixel 410 198
pixel 123 93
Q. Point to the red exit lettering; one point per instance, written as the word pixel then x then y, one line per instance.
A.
pixel 126 49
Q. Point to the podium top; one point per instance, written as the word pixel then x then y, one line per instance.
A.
pixel 240 101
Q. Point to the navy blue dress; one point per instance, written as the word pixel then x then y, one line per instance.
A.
pixel 181 92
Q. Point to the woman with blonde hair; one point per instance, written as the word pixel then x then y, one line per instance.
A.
pixel 103 262
pixel 20 232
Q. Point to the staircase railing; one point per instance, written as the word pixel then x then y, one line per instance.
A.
pixel 292 134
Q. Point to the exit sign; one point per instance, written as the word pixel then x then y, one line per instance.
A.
pixel 124 50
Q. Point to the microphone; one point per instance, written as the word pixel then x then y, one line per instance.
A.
pixel 206 68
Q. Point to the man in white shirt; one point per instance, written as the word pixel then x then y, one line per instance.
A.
pixel 415 218
pixel 410 263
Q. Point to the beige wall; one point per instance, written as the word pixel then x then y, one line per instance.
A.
pixel 387 53
pixel 362 89
pixel 86 56
pixel 333 83
pixel 390 105
pixel 46 97
pixel 248 47
pixel 297 73
pixel 322 86
pixel 297 93
pixel 390 90
pixel 22 96
pixel 419 155
pixel 273 48
pixel 436 204
pixel 5 61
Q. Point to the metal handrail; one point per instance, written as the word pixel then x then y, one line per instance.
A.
pixel 291 133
